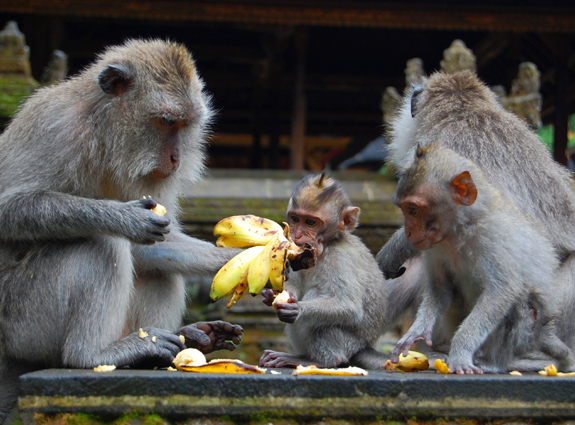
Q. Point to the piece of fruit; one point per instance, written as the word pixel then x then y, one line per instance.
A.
pixel 314 370
pixel 189 357
pixel 105 368
pixel 222 366
pixel 159 209
pixel 228 277
pixel 550 370
pixel 413 362
pixel 259 272
pixel 282 297
pixel 515 373
pixel 441 367
pixel 245 230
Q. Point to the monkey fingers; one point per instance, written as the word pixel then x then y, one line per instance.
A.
pixel 278 359
pixel 211 336
pixel 269 296
pixel 405 344
pixel 287 312
pixel 161 346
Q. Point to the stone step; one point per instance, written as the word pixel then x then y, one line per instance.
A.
pixel 178 396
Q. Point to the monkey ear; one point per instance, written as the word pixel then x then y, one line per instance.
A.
pixel 115 79
pixel 463 189
pixel 349 218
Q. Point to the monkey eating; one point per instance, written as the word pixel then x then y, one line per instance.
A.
pixel 84 262
pixel 490 268
pixel 335 310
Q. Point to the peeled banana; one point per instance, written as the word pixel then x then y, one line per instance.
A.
pixel 413 362
pixel 251 272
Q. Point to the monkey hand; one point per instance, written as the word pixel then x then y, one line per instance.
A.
pixel 155 347
pixel 289 311
pixel 405 343
pixel 212 336
pixel 462 365
pixel 141 225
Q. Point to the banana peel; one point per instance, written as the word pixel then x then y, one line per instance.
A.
pixel 413 362
pixel 441 367
pixel 222 366
pixel 551 370
pixel 314 370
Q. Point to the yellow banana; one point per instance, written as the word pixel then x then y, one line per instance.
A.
pixel 441 366
pixel 227 278
pixel 413 362
pixel 259 272
pixel 278 259
pixel 250 229
pixel 241 289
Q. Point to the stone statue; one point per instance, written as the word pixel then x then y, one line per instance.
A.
pixel 458 58
pixel 56 70
pixel 524 98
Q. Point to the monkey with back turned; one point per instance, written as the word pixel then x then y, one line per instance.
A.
pixel 490 268
pixel 459 112
pixel 336 309
pixel 84 262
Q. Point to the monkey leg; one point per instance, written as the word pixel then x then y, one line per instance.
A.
pixel 8 390
pixel 368 358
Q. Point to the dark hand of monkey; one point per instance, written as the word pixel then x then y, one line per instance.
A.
pixel 278 359
pixel 288 312
pixel 212 336
pixel 141 225
pixel 159 351
pixel 269 296
pixel 393 275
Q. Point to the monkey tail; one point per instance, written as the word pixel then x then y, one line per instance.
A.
pixel 368 358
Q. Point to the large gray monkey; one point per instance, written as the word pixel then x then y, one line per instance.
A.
pixel 459 112
pixel 84 262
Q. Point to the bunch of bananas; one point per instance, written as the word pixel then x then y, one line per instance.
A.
pixel 268 249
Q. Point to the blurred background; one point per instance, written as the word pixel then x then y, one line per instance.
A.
pixel 303 86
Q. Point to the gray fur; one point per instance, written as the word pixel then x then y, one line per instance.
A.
pixel 459 112
pixel 492 268
pixel 84 263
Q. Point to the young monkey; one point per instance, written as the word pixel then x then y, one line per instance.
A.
pixel 490 296
pixel 336 309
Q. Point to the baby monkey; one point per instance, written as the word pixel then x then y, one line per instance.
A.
pixel 490 296
pixel 336 309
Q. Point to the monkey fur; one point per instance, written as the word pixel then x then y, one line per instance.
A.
pixel 336 309
pixel 459 112
pixel 489 267
pixel 84 262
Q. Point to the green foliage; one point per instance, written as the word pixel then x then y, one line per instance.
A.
pixel 546 134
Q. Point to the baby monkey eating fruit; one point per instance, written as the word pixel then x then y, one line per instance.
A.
pixel 335 310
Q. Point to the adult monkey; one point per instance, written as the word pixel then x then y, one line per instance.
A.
pixel 459 112
pixel 84 262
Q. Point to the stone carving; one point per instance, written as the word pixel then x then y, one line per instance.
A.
pixel 56 70
pixel 524 98
pixel 458 58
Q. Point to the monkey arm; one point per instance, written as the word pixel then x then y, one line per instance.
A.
pixel 47 216
pixel 491 308
pixel 435 302
pixel 394 253
pixel 181 254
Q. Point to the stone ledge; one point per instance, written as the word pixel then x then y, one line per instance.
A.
pixel 178 395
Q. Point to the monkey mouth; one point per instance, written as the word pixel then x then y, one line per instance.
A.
pixel 161 174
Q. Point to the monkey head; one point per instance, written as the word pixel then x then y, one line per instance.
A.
pixel 150 114
pixel 429 194
pixel 319 212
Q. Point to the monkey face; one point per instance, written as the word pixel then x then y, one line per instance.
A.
pixel 304 226
pixel 423 224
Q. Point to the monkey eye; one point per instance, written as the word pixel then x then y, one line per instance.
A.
pixel 412 211
pixel 310 222
pixel 168 122
pixel 294 218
